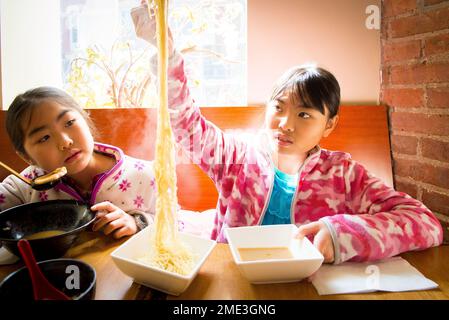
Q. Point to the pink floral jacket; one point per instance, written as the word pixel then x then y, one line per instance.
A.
pixel 129 185
pixel 368 220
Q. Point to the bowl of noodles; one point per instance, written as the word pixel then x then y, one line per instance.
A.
pixel 170 272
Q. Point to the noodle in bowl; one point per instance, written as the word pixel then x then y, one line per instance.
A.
pixel 173 257
pixel 131 258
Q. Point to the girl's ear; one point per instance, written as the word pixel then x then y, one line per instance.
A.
pixel 25 158
pixel 330 126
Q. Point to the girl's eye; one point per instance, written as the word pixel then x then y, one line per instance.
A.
pixel 304 115
pixel 43 139
pixel 70 123
pixel 277 107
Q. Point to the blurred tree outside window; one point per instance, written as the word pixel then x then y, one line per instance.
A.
pixel 105 65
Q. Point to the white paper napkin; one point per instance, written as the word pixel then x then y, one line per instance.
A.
pixel 393 274
pixel 7 257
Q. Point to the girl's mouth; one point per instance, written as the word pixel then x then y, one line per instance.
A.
pixel 283 140
pixel 73 157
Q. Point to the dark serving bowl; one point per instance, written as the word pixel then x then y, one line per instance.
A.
pixel 75 278
pixel 67 217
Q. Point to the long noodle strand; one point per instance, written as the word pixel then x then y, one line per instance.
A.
pixel 167 252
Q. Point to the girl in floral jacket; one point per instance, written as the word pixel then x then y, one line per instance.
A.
pixel 49 130
pixel 284 176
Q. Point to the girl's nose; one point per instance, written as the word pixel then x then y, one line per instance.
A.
pixel 65 142
pixel 287 123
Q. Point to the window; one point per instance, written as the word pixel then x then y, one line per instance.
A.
pixel 105 65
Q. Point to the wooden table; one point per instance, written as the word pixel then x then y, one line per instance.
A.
pixel 219 277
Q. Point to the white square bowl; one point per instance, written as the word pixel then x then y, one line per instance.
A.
pixel 126 258
pixel 306 258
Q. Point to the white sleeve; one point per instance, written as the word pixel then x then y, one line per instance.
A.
pixel 13 192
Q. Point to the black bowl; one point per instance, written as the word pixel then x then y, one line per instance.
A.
pixel 69 217
pixel 75 278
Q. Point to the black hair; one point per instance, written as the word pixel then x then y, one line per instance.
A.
pixel 24 104
pixel 311 86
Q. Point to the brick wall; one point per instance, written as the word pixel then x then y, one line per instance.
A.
pixel 415 87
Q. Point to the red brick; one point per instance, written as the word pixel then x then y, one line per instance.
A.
pixel 428 21
pixel 412 98
pixel 436 45
pixel 404 144
pixel 396 7
pixel 384 26
pixel 401 51
pixel 423 172
pixel 420 123
pixel 438 97
pixel 420 73
pixel 435 149
pixel 432 2
pixel 436 201
pixel 409 188
pixel 385 76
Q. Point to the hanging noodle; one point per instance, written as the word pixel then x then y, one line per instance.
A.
pixel 166 251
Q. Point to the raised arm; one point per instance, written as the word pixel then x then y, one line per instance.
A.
pixel 205 144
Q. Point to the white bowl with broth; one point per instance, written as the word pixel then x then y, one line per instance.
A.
pixel 127 258
pixel 272 254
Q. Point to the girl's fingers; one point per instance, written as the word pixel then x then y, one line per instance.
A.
pixel 323 243
pixel 322 239
pixel 111 219
pixel 101 213
pixel 102 221
pixel 319 242
pixel 105 205
pixel 122 232
pixel 113 225
pixel 309 228
pixel 124 221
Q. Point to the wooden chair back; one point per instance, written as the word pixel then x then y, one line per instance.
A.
pixel 362 131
